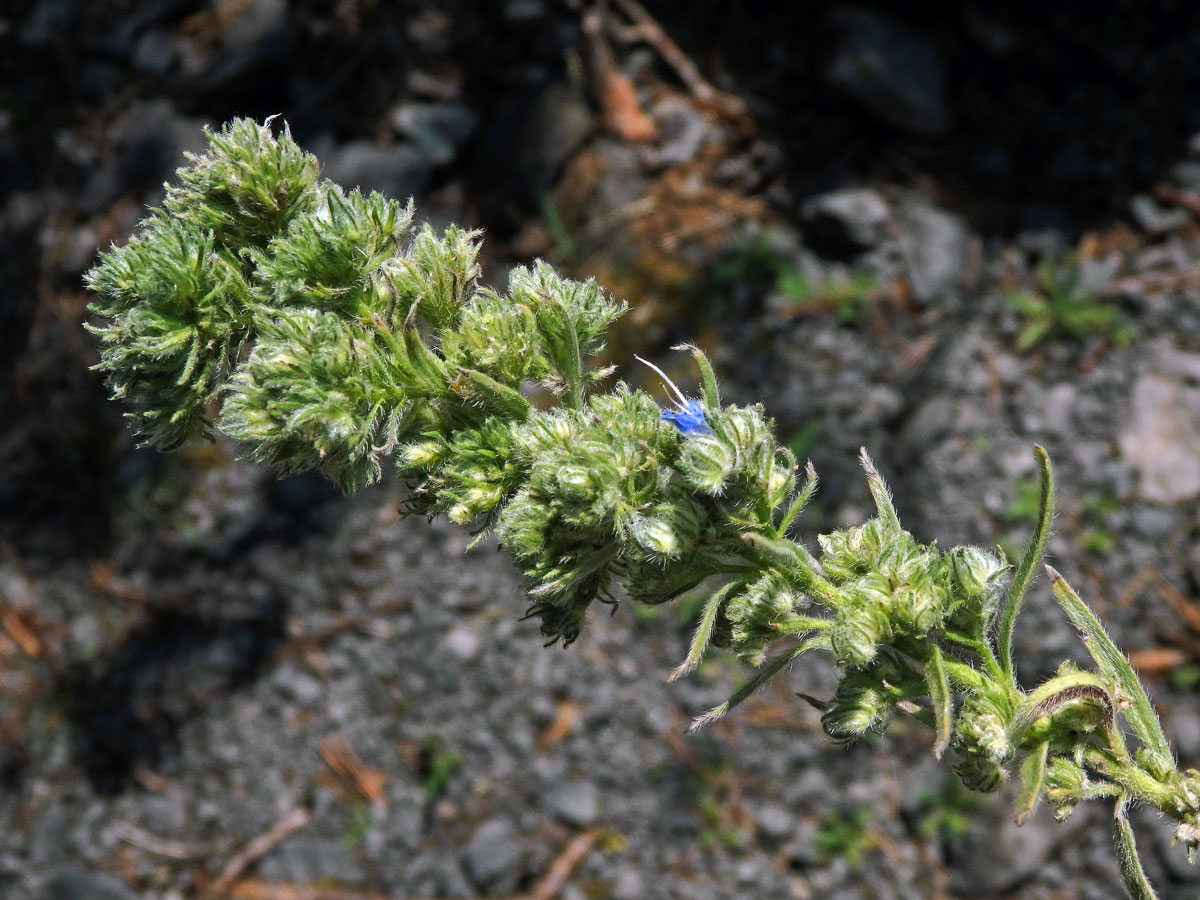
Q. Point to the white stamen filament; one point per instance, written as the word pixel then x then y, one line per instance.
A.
pixel 663 375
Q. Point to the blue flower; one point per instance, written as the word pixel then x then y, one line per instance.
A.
pixel 689 417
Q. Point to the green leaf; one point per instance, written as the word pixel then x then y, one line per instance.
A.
pixel 704 630
pixel 761 677
pixel 1127 855
pixel 1112 662
pixel 708 379
pixel 801 500
pixel 1033 775
pixel 504 400
pixel 797 562
pixel 423 371
pixel 1034 552
pixel 939 693
pixel 880 493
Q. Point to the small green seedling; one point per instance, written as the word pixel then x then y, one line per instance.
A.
pixel 1062 305
pixel 437 766
pixel 845 834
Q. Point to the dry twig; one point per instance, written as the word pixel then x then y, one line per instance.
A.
pixel 255 850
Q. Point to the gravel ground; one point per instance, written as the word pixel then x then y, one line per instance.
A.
pixel 219 684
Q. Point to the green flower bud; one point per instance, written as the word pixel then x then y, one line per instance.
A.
pixel 864 700
pixel 328 257
pixel 979 773
pixel 423 454
pixel 852 552
pixel 246 187
pixel 858 633
pixel 438 275
pixel 976 580
pixel 655 536
pixel 981 739
pixel 757 614
pixel 1155 764
pixel 1065 784
pixel 1188 834
pixel 707 462
pixel 983 726
pixel 498 337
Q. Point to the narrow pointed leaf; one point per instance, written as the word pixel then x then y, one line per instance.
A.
pixel 761 677
pixel 1034 552
pixel 801 501
pixel 508 401
pixel 708 379
pixel 943 705
pixel 1033 776
pixel 880 493
pixel 1127 855
pixel 704 630
pixel 1112 662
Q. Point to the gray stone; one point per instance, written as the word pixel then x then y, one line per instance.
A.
pixel 492 856
pixel 1046 230
pixel 155 53
pixel 1161 439
pixel 894 72
pixel 450 880
pixel 575 802
pixel 84 884
pixel 684 128
pixel 801 850
pixel 1183 724
pixel 438 129
pixel 47 22
pixel 855 218
pixel 1154 523
pixel 463 643
pixel 933 244
pixel 1186 174
pixel 628 885
pixel 398 171
pixel 259 20
pixel 998 855
pixel 1096 274
pixel 1172 362
pixel 524 10
pixel 153 140
pixel 1058 406
pixel 305 861
pixel 774 822
pixel 1155 219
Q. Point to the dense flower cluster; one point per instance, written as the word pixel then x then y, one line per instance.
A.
pixel 319 329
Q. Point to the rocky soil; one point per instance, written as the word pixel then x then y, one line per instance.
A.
pixel 945 236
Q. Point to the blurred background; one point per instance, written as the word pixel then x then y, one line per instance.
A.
pixel 945 231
